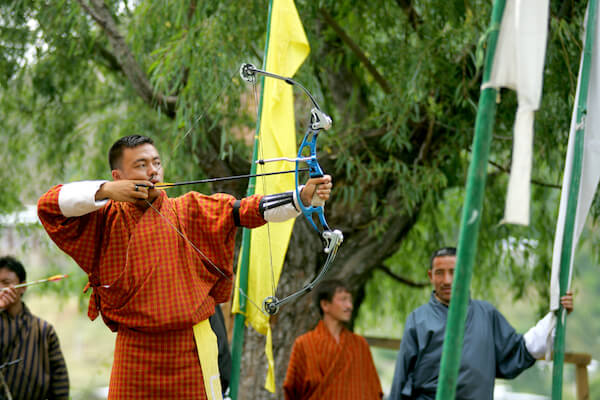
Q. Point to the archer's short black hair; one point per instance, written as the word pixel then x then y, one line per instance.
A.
pixel 15 266
pixel 444 251
pixel 326 290
pixel 128 142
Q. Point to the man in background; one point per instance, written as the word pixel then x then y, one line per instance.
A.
pixel 34 367
pixel 330 362
pixel 492 349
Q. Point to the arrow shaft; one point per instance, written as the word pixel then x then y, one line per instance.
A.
pixel 226 178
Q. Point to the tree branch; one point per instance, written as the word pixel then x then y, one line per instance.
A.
pixel 111 62
pixel 411 13
pixel 401 279
pixel 534 181
pixel 122 53
pixel 357 51
pixel 426 143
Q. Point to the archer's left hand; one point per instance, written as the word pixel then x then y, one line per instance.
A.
pixel 322 186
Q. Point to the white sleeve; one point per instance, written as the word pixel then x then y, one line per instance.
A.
pixel 539 339
pixel 280 207
pixel 78 198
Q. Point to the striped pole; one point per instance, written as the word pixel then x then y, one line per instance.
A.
pixel 471 218
pixel 573 196
pixel 237 341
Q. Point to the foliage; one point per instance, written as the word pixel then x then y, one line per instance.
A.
pixel 399 150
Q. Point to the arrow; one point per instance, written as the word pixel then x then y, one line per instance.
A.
pixel 166 185
pixel 53 278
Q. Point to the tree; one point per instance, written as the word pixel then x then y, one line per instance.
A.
pixel 400 78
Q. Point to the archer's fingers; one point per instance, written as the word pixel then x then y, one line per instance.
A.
pixel 140 186
pixel 140 190
pixel 323 180
pixel 324 190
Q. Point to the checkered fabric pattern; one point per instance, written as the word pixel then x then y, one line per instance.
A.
pixel 322 368
pixel 148 281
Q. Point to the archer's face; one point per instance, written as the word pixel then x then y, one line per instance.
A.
pixel 441 276
pixel 340 307
pixel 141 163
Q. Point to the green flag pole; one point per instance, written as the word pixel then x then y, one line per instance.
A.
pixel 237 341
pixel 471 218
pixel 573 196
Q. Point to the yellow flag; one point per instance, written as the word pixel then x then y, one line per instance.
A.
pixel 287 49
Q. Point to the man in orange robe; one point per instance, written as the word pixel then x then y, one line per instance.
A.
pixel 330 362
pixel 157 266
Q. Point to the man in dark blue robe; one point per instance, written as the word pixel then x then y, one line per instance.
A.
pixel 492 348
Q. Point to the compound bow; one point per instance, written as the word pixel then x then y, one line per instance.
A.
pixel 332 239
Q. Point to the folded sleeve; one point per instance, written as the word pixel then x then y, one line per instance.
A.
pixel 78 236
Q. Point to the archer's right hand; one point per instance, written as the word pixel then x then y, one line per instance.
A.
pixel 124 190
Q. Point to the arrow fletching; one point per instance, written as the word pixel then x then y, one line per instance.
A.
pixel 57 277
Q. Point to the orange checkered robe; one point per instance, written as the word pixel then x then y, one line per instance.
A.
pixel 150 285
pixel 322 368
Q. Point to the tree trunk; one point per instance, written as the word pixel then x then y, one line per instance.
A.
pixel 358 256
pixel 293 319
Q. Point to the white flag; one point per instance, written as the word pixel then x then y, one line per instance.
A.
pixel 519 65
pixel 590 173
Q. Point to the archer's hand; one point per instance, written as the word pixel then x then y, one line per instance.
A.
pixel 8 296
pixel 321 185
pixel 567 302
pixel 124 190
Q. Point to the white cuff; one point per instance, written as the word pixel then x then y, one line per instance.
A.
pixel 538 339
pixel 284 212
pixel 78 198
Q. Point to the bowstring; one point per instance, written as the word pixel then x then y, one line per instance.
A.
pixel 181 234
pixel 261 151
pixel 212 264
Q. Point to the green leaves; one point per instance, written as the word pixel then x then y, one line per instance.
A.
pixel 399 155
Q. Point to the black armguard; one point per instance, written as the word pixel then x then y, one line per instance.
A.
pixel 236 213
